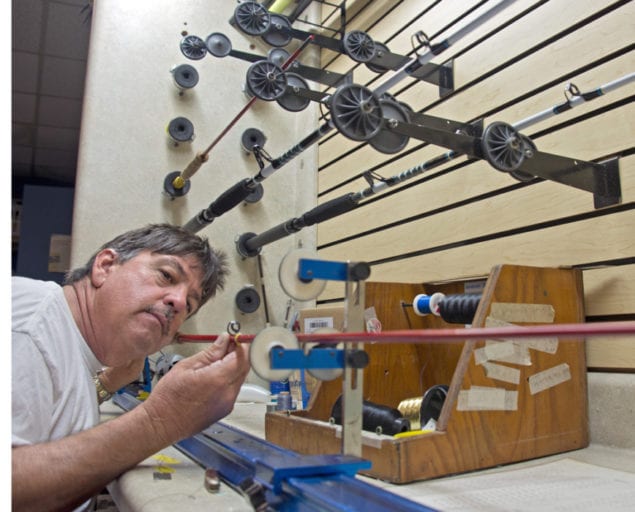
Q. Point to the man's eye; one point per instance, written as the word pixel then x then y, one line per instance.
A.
pixel 189 308
pixel 166 275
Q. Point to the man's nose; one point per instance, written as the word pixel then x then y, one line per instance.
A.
pixel 177 299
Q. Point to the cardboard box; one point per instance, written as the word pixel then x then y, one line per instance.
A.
pixel 301 383
pixel 310 320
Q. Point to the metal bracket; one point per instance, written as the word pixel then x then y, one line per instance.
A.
pixel 353 381
pixel 609 182
pixel 309 269
pixel 601 179
pixel 354 276
pixel 441 75
pixel 474 129
pixel 317 358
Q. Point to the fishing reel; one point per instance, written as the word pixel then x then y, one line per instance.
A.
pixel 506 149
pixel 275 29
pixel 360 115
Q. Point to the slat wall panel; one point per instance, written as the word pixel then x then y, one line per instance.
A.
pixel 477 100
pixel 459 219
pixel 575 243
pixel 609 291
pixel 477 180
pixel 395 30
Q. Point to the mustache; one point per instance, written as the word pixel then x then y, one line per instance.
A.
pixel 167 312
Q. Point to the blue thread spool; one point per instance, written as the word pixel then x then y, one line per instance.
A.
pixel 285 401
pixel 427 304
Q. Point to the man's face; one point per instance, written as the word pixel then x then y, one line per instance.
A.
pixel 141 304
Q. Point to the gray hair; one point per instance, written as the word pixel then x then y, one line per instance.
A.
pixel 165 239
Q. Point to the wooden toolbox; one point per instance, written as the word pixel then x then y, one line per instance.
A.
pixel 543 412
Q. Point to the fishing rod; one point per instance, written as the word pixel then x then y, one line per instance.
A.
pixel 250 244
pixel 436 49
pixel 618 328
pixel 241 190
pixel 361 114
pixel 175 183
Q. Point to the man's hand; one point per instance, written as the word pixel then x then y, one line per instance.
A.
pixel 198 391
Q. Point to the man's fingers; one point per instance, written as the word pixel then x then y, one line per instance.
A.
pixel 222 346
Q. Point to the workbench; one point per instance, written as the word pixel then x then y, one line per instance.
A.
pixel 599 477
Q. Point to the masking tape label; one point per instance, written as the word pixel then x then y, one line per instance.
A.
pixel 530 313
pixel 542 344
pixel 549 378
pixel 494 351
pixel 482 398
pixel 502 373
pixel 519 354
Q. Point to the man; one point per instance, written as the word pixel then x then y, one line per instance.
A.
pixel 128 301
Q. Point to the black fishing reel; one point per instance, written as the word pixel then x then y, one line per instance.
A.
pixel 387 141
pixel 506 149
pixel 193 47
pixel 356 112
pixel 266 80
pixel 218 44
pixel 359 46
pixel 252 18
pixel 294 102
pixel 278 33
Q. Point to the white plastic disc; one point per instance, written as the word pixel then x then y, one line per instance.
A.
pixel 291 283
pixel 325 373
pixel 260 349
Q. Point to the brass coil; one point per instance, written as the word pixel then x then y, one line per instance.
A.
pixel 410 408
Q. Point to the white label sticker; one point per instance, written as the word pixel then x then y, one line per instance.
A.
pixel 494 350
pixel 502 373
pixel 543 344
pixel 530 313
pixel 312 324
pixel 481 398
pixel 549 378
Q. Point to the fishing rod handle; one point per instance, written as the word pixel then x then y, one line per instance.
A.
pixel 225 202
pixel 194 166
pixel 232 197
pixel 330 209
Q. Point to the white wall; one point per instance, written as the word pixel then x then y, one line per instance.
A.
pixel 125 152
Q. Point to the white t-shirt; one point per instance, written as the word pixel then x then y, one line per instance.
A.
pixel 53 394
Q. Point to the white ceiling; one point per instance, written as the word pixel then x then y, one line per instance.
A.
pixel 49 53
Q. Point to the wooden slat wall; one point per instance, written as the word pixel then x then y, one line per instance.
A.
pixel 460 219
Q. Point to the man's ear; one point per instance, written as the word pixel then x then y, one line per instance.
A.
pixel 105 260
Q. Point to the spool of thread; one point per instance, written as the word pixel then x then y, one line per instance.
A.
pixel 284 402
pixel 459 309
pixel 377 418
pixel 410 408
pixel 422 409
pixel 427 304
